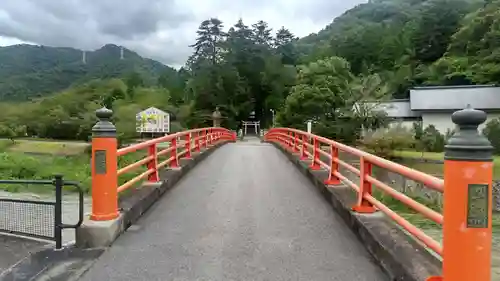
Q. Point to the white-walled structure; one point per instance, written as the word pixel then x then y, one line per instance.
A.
pixel 434 105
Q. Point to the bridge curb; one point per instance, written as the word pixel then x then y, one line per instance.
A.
pixel 400 256
pixel 134 203
pixel 57 265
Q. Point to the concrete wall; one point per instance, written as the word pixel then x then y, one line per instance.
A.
pixel 442 120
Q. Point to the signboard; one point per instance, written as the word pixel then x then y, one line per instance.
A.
pixel 152 120
pixel 477 206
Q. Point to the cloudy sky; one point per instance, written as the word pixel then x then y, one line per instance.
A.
pixel 159 29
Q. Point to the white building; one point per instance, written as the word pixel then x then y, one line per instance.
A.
pixel 434 105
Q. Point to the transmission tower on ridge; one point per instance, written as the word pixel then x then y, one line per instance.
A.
pixel 121 52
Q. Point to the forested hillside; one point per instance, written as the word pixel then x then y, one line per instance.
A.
pixel 28 71
pixel 375 51
pixel 407 41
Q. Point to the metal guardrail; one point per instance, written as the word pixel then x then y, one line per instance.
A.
pixel 38 219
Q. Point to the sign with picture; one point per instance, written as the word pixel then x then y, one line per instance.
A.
pixel 153 120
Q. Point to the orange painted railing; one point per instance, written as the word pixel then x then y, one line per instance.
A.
pixel 466 247
pixel 105 171
pixel 180 145
pixel 310 147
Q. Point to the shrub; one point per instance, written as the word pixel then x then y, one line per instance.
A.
pixel 432 140
pixel 384 142
pixel 418 130
pixel 492 132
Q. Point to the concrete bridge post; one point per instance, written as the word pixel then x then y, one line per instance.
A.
pixel 104 168
pixel 467 227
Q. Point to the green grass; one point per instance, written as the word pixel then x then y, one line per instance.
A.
pixel 430 155
pixel 48 147
pixel 41 159
pixel 16 165
pixel 5 144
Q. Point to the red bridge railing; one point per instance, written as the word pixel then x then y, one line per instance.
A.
pixel 467 226
pixel 160 153
pixel 310 148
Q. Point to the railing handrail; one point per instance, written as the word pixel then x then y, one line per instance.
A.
pixel 466 187
pixel 366 202
pixel 145 144
pixel 209 134
pixel 429 180
pixel 105 154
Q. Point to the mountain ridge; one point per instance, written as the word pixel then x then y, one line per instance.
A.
pixel 31 71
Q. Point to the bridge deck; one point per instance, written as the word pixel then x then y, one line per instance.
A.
pixel 243 214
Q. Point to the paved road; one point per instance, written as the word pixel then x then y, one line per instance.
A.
pixel 13 249
pixel 243 214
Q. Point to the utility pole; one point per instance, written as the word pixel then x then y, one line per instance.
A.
pixel 274 120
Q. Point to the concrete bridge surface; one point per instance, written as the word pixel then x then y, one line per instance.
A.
pixel 243 214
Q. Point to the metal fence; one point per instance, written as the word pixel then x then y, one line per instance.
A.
pixel 39 219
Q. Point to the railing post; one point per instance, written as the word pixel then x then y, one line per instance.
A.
pixel 315 163
pixel 197 141
pixel 152 164
pixel 365 188
pixel 104 168
pixel 303 155
pixel 206 134
pixel 204 143
pixel 295 142
pixel 334 166
pixel 188 146
pixel 467 226
pixel 58 183
pixel 175 161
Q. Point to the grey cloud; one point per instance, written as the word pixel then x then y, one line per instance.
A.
pixel 159 29
pixel 56 22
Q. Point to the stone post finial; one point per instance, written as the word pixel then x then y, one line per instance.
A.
pixel 104 127
pixel 467 143
pixel 216 117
